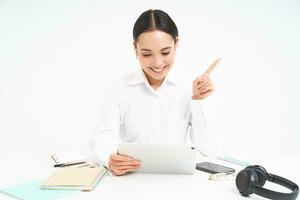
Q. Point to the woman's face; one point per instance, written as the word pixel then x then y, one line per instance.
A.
pixel 155 51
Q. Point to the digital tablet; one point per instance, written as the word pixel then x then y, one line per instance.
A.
pixel 161 158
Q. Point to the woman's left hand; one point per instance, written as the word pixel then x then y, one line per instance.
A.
pixel 202 85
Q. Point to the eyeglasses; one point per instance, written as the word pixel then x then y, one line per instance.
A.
pixel 229 176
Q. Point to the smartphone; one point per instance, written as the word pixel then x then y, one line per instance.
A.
pixel 213 168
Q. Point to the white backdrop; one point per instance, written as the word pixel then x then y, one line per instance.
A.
pixel 55 57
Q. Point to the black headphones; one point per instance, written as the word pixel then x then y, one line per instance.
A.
pixel 252 179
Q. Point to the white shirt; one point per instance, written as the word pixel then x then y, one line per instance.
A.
pixel 132 111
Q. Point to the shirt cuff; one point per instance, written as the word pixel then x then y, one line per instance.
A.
pixel 196 109
pixel 103 156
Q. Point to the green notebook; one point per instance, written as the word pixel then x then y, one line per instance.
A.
pixel 33 191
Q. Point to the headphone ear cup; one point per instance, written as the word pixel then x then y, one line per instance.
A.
pixel 246 179
pixel 243 182
pixel 262 175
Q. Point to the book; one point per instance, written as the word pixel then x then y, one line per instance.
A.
pixel 67 157
pixel 83 178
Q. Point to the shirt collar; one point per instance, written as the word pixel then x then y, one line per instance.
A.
pixel 139 77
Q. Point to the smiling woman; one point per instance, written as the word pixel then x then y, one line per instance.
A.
pixel 155 51
pixel 151 106
pixel 155 39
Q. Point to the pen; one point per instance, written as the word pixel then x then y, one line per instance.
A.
pixel 234 161
pixel 67 164
pixel 108 171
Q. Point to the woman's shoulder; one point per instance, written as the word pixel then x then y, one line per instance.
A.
pixel 121 81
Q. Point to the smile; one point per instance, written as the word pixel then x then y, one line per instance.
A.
pixel 158 70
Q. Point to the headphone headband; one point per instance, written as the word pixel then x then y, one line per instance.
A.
pixel 248 182
pixel 277 195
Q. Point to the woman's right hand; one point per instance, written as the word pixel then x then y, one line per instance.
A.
pixel 121 164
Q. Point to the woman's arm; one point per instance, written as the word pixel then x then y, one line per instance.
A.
pixel 203 87
pixel 107 137
pixel 204 138
pixel 198 127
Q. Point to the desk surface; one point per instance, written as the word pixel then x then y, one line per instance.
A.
pixel 22 169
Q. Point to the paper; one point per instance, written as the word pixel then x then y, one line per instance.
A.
pixel 33 191
pixel 68 157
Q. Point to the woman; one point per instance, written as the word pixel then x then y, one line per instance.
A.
pixel 151 106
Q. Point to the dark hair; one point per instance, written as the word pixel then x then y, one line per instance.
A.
pixel 154 20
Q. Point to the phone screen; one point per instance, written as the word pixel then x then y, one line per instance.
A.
pixel 213 168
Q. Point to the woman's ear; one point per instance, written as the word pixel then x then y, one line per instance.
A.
pixel 176 42
pixel 135 50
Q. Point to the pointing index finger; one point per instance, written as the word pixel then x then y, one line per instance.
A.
pixel 212 67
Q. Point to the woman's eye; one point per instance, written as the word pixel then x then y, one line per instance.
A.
pixel 146 55
pixel 165 53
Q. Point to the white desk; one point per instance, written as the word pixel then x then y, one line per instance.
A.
pixel 19 169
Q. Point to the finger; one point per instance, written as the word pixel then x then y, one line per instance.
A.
pixel 212 67
pixel 125 171
pixel 127 163
pixel 122 172
pixel 200 79
pixel 120 157
pixel 203 96
pixel 204 85
pixel 128 167
pixel 203 81
pixel 118 172
pixel 207 89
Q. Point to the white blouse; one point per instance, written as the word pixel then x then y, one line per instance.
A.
pixel 132 111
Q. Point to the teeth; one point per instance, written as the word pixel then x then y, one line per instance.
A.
pixel 157 70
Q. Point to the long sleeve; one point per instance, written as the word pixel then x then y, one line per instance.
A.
pixel 203 141
pixel 106 138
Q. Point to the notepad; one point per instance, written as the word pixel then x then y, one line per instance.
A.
pixel 75 178
pixel 33 191
pixel 67 157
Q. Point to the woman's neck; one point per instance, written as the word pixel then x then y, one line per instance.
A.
pixel 153 82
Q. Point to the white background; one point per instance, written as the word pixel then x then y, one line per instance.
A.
pixel 55 57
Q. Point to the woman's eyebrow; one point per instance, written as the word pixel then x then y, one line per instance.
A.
pixel 145 50
pixel 166 48
pixel 163 49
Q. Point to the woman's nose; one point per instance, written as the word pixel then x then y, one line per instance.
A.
pixel 158 62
